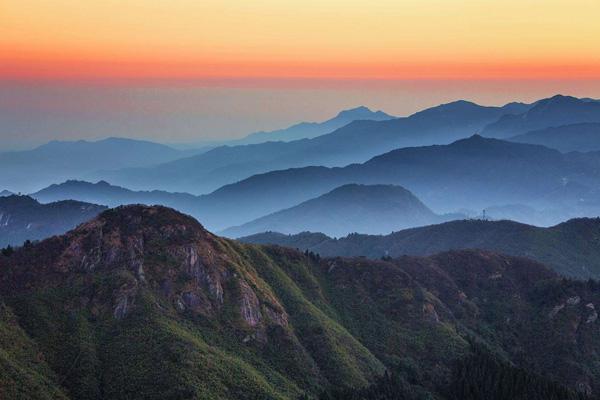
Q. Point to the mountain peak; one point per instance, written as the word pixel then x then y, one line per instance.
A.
pixel 134 217
pixel 558 100
pixel 361 112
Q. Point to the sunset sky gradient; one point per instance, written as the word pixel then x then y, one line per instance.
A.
pixel 189 70
pixel 339 39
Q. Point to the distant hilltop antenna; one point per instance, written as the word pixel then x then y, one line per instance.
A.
pixel 484 217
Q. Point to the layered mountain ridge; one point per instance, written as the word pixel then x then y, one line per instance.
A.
pixel 570 248
pixel 346 209
pixel 23 218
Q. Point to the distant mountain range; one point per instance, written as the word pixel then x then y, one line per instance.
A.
pixel 355 142
pixel 5 193
pixel 309 130
pixel 552 112
pixel 30 170
pixel 113 196
pixel 571 248
pixel 22 218
pixel 471 173
pixel 350 208
pixel 581 137
pixel 356 136
pixel 142 302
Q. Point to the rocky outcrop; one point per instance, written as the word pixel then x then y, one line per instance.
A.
pixel 249 305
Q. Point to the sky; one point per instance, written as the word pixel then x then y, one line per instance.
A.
pixel 187 70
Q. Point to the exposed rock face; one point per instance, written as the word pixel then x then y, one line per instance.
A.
pixel 573 301
pixel 193 276
pixel 430 314
pixel 250 306
pixel 556 310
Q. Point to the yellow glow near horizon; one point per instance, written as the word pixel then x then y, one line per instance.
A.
pixel 292 38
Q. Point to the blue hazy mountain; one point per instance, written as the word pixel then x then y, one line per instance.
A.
pixel 301 130
pixel 113 196
pixel 309 130
pixel 552 112
pixel 350 208
pixel 23 218
pixel 357 141
pixel 581 137
pixel 472 173
pixel 59 160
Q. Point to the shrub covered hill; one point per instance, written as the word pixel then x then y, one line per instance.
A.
pixel 571 248
pixel 143 303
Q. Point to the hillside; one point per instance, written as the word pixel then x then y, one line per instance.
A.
pixel 143 303
pixel 23 218
pixel 570 248
pixel 350 208
pixel 582 137
pixel 552 112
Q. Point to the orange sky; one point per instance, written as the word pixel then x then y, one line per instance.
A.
pixel 339 39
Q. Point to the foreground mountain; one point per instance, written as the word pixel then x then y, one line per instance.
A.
pixel 143 303
pixel 346 209
pixel 571 248
pixel 30 170
pixel 552 112
pixel 309 130
pixel 582 137
pixel 356 142
pixel 23 218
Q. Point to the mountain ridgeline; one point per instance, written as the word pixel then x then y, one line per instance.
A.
pixel 473 173
pixel 56 161
pixel 143 303
pixel 309 130
pixel 346 209
pixel 571 248
pixel 583 137
pixel 23 218
pixel 357 141
pixel 552 112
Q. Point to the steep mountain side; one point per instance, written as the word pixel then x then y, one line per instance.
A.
pixel 346 209
pixel 570 248
pixel 143 303
pixel 23 218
